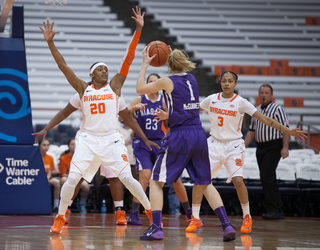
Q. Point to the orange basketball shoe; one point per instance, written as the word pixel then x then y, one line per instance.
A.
pixel 66 215
pixel 57 225
pixel 246 225
pixel 121 217
pixel 194 224
pixel 149 214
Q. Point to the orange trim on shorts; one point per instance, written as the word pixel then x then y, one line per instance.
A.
pixel 77 167
pixel 123 169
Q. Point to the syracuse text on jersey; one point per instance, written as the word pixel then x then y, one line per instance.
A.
pixel 92 98
pixel 223 111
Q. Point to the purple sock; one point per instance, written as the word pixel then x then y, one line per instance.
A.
pixel 156 218
pixel 222 215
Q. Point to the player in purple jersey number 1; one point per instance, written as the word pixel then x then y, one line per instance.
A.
pixel 186 146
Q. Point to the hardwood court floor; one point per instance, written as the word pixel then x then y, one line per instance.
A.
pixel 99 231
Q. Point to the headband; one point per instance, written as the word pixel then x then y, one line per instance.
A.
pixel 98 65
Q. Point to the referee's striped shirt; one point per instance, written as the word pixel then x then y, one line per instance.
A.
pixel 264 133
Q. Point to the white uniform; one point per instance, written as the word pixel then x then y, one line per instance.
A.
pixel 226 145
pixel 76 103
pixel 100 142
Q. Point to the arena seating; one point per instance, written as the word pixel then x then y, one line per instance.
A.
pixel 87 32
pixel 250 33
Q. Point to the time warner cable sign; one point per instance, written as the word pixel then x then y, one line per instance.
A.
pixel 24 187
pixel 23 182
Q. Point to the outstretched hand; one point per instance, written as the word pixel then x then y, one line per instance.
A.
pixel 42 133
pixel 47 31
pixel 300 135
pixel 138 18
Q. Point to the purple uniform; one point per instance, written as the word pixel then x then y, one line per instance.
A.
pixel 145 158
pixel 186 145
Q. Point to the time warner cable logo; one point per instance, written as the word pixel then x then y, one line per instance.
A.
pixel 23 110
pixel 18 172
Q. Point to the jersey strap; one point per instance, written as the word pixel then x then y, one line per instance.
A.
pixel 130 54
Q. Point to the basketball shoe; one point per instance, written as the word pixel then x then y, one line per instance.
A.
pixel 229 232
pixel 152 233
pixel 134 218
pixel 121 217
pixel 194 224
pixel 57 225
pixel 66 215
pixel 246 224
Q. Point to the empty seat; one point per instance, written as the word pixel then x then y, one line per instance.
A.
pixel 308 171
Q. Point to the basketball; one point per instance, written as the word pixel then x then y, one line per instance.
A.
pixel 161 50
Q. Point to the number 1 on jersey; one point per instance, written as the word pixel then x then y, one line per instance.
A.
pixel 191 91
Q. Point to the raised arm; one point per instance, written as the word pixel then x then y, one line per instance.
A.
pixel 300 135
pixel 59 117
pixel 117 81
pixel 74 81
pixel 164 83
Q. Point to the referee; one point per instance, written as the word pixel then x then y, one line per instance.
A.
pixel 271 146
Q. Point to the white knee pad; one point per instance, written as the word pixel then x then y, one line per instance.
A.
pixel 135 189
pixel 127 179
pixel 67 191
pixel 73 179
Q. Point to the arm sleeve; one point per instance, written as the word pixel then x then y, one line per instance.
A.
pixel 130 54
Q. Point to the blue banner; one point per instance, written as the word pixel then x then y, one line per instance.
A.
pixel 23 181
pixel 15 110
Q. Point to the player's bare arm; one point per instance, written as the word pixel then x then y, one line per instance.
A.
pixel 74 81
pixel 164 83
pixel 300 135
pixel 134 105
pixel 59 117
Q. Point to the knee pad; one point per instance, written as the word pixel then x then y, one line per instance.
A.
pixel 127 179
pixel 73 179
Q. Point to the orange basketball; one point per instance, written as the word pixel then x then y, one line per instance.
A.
pixel 161 50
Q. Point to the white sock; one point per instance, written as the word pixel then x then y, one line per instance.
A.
pixel 70 203
pixel 196 210
pixel 56 203
pixel 118 203
pixel 245 209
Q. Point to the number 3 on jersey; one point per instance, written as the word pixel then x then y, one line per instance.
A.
pixel 220 124
pixel 97 109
